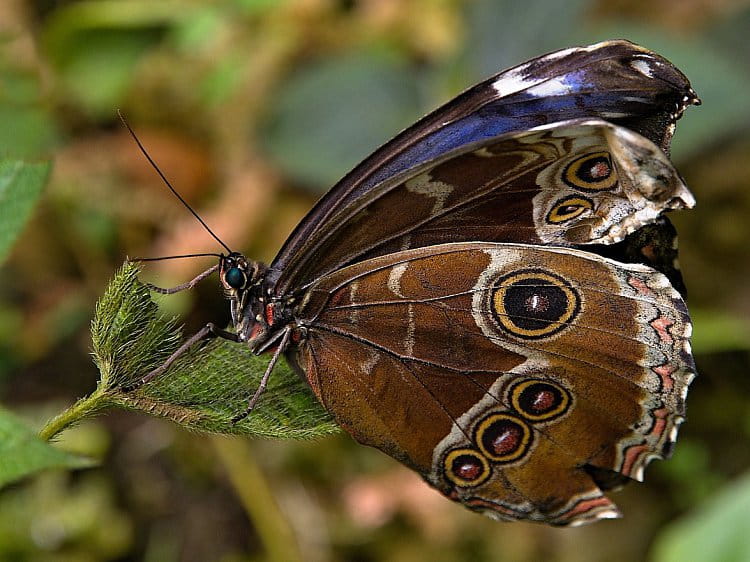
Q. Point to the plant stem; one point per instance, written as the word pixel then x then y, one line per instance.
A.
pixel 83 408
pixel 257 498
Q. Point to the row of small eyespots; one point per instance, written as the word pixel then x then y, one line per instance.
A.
pixel 504 437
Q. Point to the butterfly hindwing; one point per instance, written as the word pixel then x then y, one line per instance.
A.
pixel 572 183
pixel 508 375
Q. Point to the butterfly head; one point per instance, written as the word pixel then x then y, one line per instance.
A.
pixel 237 272
pixel 241 279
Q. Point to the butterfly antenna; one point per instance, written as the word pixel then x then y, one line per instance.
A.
pixel 166 181
pixel 176 257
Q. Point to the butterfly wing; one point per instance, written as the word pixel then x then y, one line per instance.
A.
pixel 614 80
pixel 516 379
pixel 568 183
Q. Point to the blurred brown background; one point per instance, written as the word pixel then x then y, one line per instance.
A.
pixel 253 108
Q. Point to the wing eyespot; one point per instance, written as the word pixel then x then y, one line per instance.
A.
pixel 592 172
pixel 466 467
pixel 569 208
pixel 539 400
pixel 503 437
pixel 534 304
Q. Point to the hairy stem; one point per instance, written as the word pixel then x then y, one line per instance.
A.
pixel 84 408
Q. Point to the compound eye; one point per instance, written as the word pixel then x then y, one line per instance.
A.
pixel 235 278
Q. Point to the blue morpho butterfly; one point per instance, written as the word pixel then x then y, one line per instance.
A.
pixel 492 297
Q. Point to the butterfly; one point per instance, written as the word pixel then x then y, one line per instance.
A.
pixel 492 297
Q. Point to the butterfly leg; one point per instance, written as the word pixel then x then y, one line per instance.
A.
pixel 264 380
pixel 189 285
pixel 208 331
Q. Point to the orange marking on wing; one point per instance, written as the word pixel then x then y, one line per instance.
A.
pixel 661 422
pixel 631 457
pixel 634 452
pixel 661 325
pixel 584 506
pixel 479 502
pixel 665 374
pixel 639 285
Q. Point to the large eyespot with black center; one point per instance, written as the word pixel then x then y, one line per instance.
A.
pixel 466 467
pixel 534 304
pixel 539 400
pixel 569 208
pixel 235 277
pixel 593 172
pixel 503 437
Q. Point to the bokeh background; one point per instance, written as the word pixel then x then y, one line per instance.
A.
pixel 254 108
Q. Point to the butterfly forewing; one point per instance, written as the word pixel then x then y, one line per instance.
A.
pixel 615 80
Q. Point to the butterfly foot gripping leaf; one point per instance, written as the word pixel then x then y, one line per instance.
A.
pixel 490 297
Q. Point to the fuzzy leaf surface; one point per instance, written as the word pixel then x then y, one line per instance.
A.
pixel 206 387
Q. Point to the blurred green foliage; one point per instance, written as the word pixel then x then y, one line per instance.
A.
pixel 253 108
pixel 371 92
pixel 20 186
pixel 23 453
pixel 716 530
pixel 27 130
pixel 60 517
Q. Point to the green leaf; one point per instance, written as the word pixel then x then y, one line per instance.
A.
pixel 505 33
pixel 96 46
pixel 21 184
pixel 715 532
pixel 206 387
pixel 22 453
pixel 27 129
pixel 717 330
pixel 332 114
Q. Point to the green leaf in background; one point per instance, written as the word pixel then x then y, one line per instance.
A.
pixel 331 115
pixel 730 35
pixel 717 330
pixel 203 390
pixel 27 129
pixel 96 47
pixel 22 453
pixel 21 184
pixel 505 33
pixel 716 532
